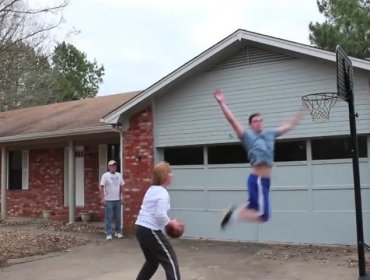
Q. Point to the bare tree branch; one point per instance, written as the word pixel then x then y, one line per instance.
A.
pixel 26 77
pixel 20 22
pixel 36 11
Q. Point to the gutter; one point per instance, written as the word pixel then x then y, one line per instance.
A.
pixel 118 128
pixel 237 36
pixel 53 134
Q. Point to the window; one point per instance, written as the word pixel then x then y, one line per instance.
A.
pixel 113 153
pixel 184 155
pixel 223 154
pixel 337 148
pixel 17 170
pixel 290 151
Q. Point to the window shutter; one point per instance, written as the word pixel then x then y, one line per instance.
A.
pixel 7 170
pixel 25 171
pixel 66 174
pixel 102 160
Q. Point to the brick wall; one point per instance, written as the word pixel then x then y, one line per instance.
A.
pixel 46 174
pixel 138 141
pixel 92 201
pixel 46 186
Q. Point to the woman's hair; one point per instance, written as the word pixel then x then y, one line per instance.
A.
pixel 160 173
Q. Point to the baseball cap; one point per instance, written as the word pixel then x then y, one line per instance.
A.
pixel 112 162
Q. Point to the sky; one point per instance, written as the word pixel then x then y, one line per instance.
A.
pixel 141 41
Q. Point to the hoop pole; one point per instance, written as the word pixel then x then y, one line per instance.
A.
pixel 357 189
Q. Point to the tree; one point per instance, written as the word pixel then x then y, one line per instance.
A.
pixel 26 78
pixel 29 78
pixel 347 23
pixel 19 22
pixel 28 75
pixel 25 72
pixel 77 78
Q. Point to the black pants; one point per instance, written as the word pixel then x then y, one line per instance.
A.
pixel 157 250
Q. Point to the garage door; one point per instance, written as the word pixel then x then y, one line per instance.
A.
pixel 312 201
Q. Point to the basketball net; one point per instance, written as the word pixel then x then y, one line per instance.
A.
pixel 319 105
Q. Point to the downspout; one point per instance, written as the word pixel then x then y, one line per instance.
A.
pixel 71 182
pixel 3 183
pixel 118 128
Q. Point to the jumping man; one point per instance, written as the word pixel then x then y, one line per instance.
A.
pixel 259 144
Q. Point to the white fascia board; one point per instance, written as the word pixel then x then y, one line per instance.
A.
pixel 304 49
pixel 236 36
pixel 166 80
pixel 59 133
pixel 111 121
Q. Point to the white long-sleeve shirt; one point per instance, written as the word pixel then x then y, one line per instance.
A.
pixel 154 208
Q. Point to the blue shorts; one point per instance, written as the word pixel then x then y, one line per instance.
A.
pixel 258 189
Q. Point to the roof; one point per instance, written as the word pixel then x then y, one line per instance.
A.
pixel 67 118
pixel 236 40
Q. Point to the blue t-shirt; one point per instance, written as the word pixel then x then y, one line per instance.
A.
pixel 260 146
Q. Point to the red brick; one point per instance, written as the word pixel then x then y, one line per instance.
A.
pixel 46 169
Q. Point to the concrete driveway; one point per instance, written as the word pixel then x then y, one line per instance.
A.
pixel 201 260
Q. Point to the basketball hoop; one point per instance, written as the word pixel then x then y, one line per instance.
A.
pixel 320 104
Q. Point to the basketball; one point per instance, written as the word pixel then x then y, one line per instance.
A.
pixel 175 230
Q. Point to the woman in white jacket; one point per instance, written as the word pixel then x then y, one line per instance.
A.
pixel 150 225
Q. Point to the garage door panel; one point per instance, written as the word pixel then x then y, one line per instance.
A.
pixel 280 199
pixel 311 203
pixel 206 224
pixel 188 199
pixel 295 200
pixel 227 177
pixel 366 225
pixel 289 176
pixel 334 228
pixel 337 174
pixel 333 200
pixel 239 232
pixel 188 177
pixel 285 226
pixel 224 199
pixel 297 227
pixel 365 197
pixel 303 227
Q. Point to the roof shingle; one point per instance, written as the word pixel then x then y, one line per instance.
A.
pixel 76 114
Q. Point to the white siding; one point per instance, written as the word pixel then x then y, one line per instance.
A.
pixel 312 201
pixel 189 114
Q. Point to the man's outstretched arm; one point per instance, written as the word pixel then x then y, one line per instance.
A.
pixel 238 128
pixel 285 127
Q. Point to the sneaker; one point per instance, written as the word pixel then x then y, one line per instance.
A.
pixel 109 237
pixel 118 235
pixel 226 218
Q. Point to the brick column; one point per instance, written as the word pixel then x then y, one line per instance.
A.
pixel 138 164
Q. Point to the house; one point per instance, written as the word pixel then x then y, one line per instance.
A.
pixel 177 120
pixel 36 147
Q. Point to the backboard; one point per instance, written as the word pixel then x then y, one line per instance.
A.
pixel 344 74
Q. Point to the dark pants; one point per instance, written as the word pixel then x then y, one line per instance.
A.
pixel 157 250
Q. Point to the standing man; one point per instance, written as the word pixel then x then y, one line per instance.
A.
pixel 111 194
pixel 259 144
